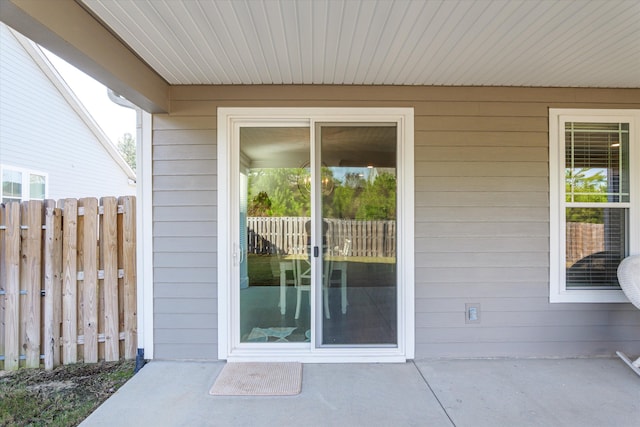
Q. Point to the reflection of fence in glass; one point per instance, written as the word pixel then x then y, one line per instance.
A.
pixel 594 252
pixel 583 239
pixel 286 235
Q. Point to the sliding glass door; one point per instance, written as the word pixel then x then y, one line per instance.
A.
pixel 351 266
pixel 358 198
pixel 275 208
pixel 309 256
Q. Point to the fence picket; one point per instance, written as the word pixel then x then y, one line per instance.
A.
pixel 12 288
pixel 30 281
pixel 109 257
pixel 70 281
pixel 90 281
pixel 129 280
pixel 57 286
pixel 52 284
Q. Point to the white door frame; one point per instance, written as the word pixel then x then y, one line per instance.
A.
pixel 229 347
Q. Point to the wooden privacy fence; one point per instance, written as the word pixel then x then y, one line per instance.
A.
pixel 287 235
pixel 67 282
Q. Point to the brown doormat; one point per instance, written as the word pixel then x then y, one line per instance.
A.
pixel 258 379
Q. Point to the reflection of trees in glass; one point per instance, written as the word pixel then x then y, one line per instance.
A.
pixel 586 215
pixel 284 192
pixel 378 200
pixel 345 199
pixel 260 205
pixel 585 188
pixel 280 188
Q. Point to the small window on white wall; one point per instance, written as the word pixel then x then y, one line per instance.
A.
pixel 593 202
pixel 37 186
pixel 21 184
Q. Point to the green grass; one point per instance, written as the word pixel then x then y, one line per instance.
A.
pixel 64 396
pixel 261 272
pixel 259 269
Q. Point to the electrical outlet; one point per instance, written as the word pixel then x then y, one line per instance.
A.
pixel 472 313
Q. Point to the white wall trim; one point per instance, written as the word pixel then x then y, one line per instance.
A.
pixel 228 123
pixel 144 207
pixel 224 251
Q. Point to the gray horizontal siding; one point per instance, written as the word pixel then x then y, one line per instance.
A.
pixel 538 333
pixel 188 244
pixel 482 259
pixel 497 184
pixel 481 244
pixel 522 348
pixel 479 139
pixel 186 259
pixel 184 182
pixel 481 214
pixel 185 230
pixel 481 231
pixel 185 198
pixel 194 290
pixel 523 299
pixel 187 351
pixel 492 319
pixel 184 213
pixel 169 307
pixel 482 198
pixel 470 169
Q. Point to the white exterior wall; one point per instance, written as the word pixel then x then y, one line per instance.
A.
pixel 40 131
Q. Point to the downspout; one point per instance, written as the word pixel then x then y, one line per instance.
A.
pixel 119 100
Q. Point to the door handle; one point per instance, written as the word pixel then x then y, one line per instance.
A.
pixel 315 252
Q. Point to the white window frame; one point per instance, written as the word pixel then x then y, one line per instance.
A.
pixel 229 120
pixel 558 292
pixel 26 184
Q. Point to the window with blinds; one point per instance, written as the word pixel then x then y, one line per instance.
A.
pixel 596 202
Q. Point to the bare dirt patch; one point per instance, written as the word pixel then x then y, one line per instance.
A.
pixel 63 396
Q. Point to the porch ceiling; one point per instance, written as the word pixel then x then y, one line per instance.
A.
pixel 549 43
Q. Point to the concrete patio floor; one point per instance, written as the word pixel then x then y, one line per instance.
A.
pixel 504 392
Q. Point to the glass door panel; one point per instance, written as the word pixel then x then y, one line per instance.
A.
pixel 358 185
pixel 275 211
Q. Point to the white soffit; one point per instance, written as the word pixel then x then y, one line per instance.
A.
pixel 570 43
